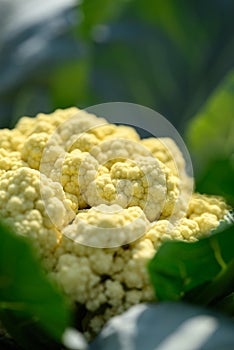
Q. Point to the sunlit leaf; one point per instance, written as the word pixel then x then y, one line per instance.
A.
pixel 201 272
pixel 210 138
pixel 211 131
pixel 217 177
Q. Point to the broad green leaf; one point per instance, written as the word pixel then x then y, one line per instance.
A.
pixel 217 177
pixel 199 272
pixel 27 298
pixel 211 132
pixel 210 138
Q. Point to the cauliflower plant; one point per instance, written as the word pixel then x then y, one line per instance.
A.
pixel 96 202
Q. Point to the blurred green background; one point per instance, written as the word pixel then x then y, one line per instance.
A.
pixel 174 56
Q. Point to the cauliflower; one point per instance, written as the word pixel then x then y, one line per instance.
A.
pixel 97 202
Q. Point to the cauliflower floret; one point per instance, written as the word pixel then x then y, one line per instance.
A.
pixel 67 169
pixel 107 226
pixel 206 222
pixel 157 230
pixel 135 273
pixel 141 183
pixel 123 173
pixel 74 127
pixel 173 193
pixel 25 125
pixel 11 140
pixel 70 178
pixel 83 142
pixel 34 206
pixel 95 135
pixel 179 183
pixel 206 211
pixel 124 132
pixel 33 149
pixel 115 292
pixel 75 276
pixel 186 229
pixel 110 131
pixel 166 150
pixel 45 123
pixel 10 161
pixel 201 203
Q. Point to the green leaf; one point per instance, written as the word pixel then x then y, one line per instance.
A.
pixel 200 272
pixel 27 297
pixel 211 131
pixel 210 137
pixel 217 177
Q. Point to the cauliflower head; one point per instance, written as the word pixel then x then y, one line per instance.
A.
pixel 97 202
